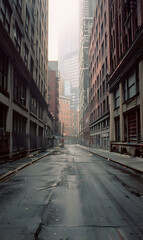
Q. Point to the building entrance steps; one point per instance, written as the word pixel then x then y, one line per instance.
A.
pixel 133 163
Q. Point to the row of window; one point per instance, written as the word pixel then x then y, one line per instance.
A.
pixel 5 17
pixel 19 125
pixel 98 33
pixel 98 89
pixel 102 72
pixel 3 70
pixel 96 98
pixel 100 110
pixel 5 14
pixel 19 86
pixel 99 126
pixel 122 37
pixel 40 61
pixel 97 56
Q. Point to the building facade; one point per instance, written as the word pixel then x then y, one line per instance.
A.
pixel 64 115
pixel 99 69
pixel 126 78
pixel 74 123
pixel 86 129
pixel 86 21
pixel 53 92
pixel 25 122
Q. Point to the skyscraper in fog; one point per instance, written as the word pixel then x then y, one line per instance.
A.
pixel 69 56
pixel 86 19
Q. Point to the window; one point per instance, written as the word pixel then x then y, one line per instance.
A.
pixel 3 112
pixel 17 38
pixel 130 87
pixel 26 55
pixel 100 91
pixel 96 30
pixel 113 39
pixel 36 49
pixel 27 20
pixel 99 19
pixel 108 122
pixel 40 112
pixel 103 70
pixel 33 104
pixel 40 32
pixel 97 80
pixel 5 15
pixel 102 48
pixel 19 6
pixel 96 13
pixel 97 45
pixel 40 131
pixel 101 108
pixel 107 103
pixel 106 64
pixel 19 123
pixel 104 124
pixel 117 98
pixel 102 30
pixel 19 89
pixel 101 10
pixel 117 129
pixel 32 36
pixel 103 87
pixel 32 67
pixel 97 61
pixel 105 18
pixel 104 106
pixel 3 70
pixel 98 95
pixel 39 55
pixel 105 40
pixel 36 75
pixel 98 111
pixel 33 128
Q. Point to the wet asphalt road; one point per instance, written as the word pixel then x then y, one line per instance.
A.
pixel 72 195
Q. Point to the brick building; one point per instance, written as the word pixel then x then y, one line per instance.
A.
pixel 126 78
pixel 25 122
pixel 64 115
pixel 99 68
pixel 86 20
pixel 74 122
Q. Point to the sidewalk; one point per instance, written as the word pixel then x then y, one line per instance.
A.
pixel 133 163
pixel 11 167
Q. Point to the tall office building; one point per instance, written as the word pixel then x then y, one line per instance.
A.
pixel 86 20
pixel 25 122
pixel 69 55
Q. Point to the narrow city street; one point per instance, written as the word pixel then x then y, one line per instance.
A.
pixel 72 195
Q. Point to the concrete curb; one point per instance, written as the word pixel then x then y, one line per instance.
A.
pixel 9 173
pixel 114 161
